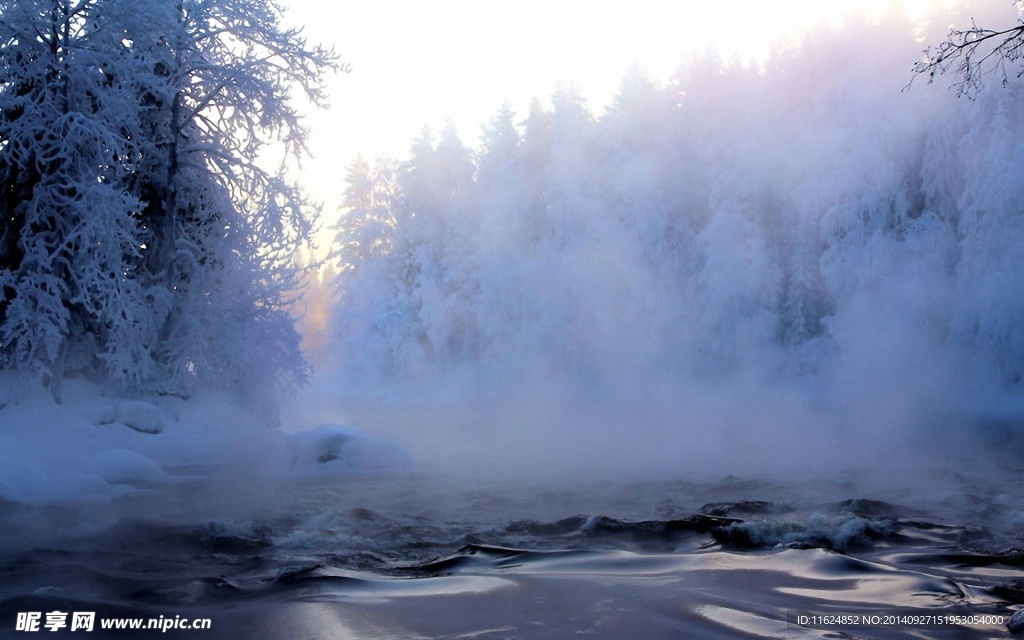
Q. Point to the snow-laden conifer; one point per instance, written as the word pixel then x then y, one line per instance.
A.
pixel 144 240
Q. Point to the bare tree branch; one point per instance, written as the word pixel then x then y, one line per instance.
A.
pixel 973 55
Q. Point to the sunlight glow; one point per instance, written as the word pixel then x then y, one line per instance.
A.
pixel 416 63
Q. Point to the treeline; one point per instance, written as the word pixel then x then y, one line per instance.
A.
pixel 806 218
pixel 141 243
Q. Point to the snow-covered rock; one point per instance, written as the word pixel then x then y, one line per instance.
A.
pixel 97 413
pixel 337 447
pixel 141 416
pixel 121 466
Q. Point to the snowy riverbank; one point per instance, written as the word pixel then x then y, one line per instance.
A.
pixel 96 447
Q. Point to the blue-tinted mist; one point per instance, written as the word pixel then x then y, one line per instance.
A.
pixel 743 266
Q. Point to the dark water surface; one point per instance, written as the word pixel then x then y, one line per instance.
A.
pixel 430 555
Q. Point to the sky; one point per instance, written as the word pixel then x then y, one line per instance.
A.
pixel 416 63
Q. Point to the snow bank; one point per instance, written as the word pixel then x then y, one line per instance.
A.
pixel 93 447
pixel 121 466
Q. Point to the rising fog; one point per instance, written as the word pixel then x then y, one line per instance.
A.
pixel 805 265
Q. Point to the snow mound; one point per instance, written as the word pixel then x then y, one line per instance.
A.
pixel 97 413
pixel 30 481
pixel 141 416
pixel 337 447
pixel 121 466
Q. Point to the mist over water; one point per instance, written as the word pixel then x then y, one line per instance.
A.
pixel 803 266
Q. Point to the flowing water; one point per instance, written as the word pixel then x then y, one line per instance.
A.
pixel 933 553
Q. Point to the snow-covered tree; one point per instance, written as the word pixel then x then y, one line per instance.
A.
pixel 143 240
pixel 801 219
pixel 70 248
pixel 366 228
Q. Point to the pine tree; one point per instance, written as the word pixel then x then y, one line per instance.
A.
pixel 366 226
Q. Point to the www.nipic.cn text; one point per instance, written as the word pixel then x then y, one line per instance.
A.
pixel 30 621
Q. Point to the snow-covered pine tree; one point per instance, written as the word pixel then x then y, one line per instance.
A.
pixel 68 253
pixel 365 231
pixel 142 240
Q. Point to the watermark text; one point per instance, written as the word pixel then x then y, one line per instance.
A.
pixel 86 621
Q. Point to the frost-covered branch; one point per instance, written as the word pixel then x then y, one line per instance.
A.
pixel 974 54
